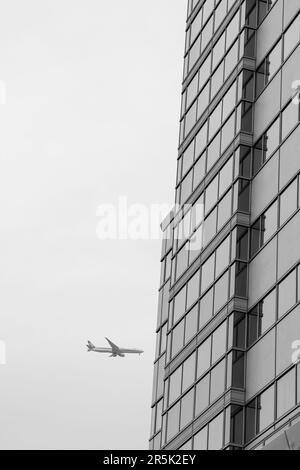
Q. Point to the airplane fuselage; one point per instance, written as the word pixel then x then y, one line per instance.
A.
pixel 114 351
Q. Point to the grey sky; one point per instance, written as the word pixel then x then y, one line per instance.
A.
pixel 93 97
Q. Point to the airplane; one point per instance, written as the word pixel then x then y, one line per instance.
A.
pixel 114 349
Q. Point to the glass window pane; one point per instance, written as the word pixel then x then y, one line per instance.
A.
pixel 177 338
pixel 196 26
pixel 228 132
pixel 194 53
pixel 265 408
pixel 192 90
pixel 206 308
pixel 207 33
pixel 200 439
pixel 190 119
pixel 215 120
pixel 207 9
pixel 221 292
pixel 213 151
pixel 217 381
pixel 258 159
pixel 231 59
pixel 175 385
pixel 255 237
pixel 203 359
pixel 202 395
pixel 217 79
pixel 196 243
pixel 291 37
pixel 288 202
pixel 197 213
pixel 232 30
pixel 273 61
pixel 186 186
pixel 215 433
pixel 163 338
pixel 219 341
pixel 187 408
pixel 287 294
pixel 226 175
pixel 286 393
pixel 271 140
pixel 268 223
pixel 173 421
pixel 267 312
pixel 218 50
pixel 207 275
pixel 222 256
pixel 199 171
pixel 179 304
pixel 201 140
pixel 210 227
pixel 158 416
pixel 220 13
pixel 250 421
pixel 187 158
pixel 203 101
pixel 191 324
pixel 290 117
pixel 193 288
pixel 160 375
pixel 189 370
pixel 224 210
pixel 252 334
pixel 260 78
pixel 204 71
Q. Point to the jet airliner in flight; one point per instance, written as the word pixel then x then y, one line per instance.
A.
pixel 114 350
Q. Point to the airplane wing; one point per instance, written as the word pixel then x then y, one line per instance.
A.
pixel 114 347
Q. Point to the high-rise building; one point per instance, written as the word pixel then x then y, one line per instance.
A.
pixel 228 332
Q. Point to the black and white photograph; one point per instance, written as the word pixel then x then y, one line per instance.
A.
pixel 150 228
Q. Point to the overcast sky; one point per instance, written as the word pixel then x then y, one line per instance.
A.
pixel 93 98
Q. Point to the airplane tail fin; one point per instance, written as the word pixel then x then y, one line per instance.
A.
pixel 90 346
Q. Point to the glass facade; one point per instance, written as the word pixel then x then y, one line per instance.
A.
pixel 228 310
